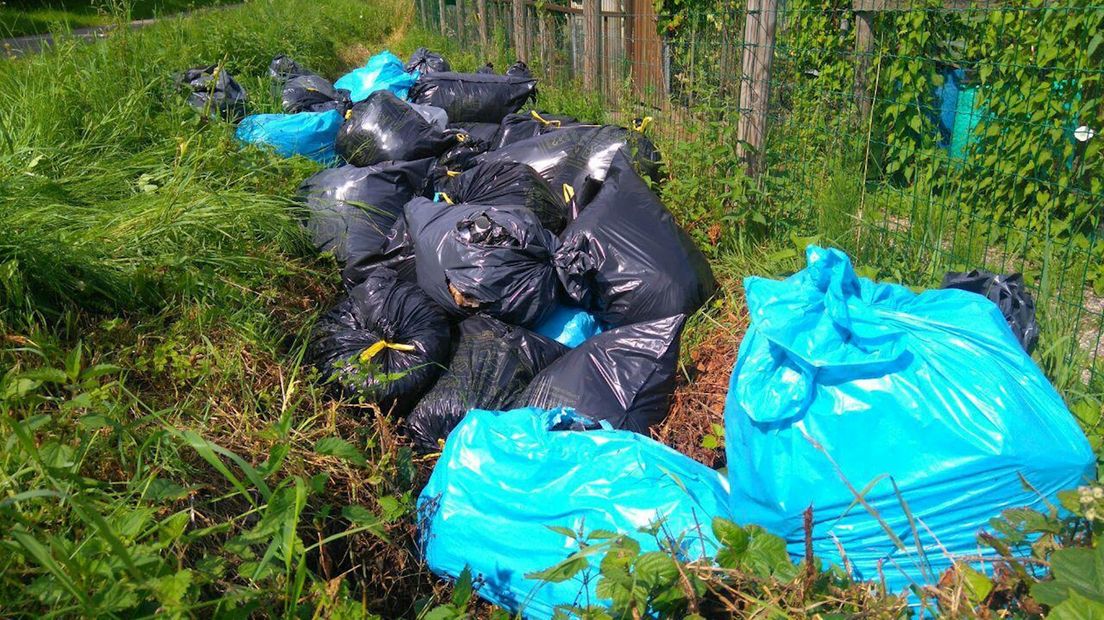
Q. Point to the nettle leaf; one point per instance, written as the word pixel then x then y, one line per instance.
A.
pixel 1078 607
pixel 462 591
pixel 1076 571
pixel 563 571
pixel 336 446
pixel 656 569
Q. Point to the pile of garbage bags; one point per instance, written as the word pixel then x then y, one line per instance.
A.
pixel 516 291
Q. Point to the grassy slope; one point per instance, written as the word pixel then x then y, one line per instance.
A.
pixel 22 17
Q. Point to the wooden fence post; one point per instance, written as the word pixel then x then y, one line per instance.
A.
pixel 864 49
pixel 521 46
pixel 481 10
pixel 592 41
pixel 751 131
pixel 460 21
pixel 441 14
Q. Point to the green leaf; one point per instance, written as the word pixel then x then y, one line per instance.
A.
pixel 172 588
pixel 462 591
pixel 563 571
pixel 978 585
pixel 360 515
pixel 1076 571
pixel 1078 607
pixel 656 569
pixel 336 446
pixel 565 531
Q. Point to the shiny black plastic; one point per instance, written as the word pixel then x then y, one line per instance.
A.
pixel 474 97
pixel 487 132
pixel 212 90
pixel 397 254
pixel 492 364
pixel 463 155
pixel 571 155
pixel 473 258
pixel 282 68
pixel 507 183
pixel 519 69
pixel 312 93
pixel 518 127
pixel 383 127
pixel 1011 296
pixel 397 312
pixel 352 210
pixel 627 260
pixel 624 376
pixel 424 61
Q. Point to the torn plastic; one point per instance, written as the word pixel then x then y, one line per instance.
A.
pixel 213 91
pixel 384 71
pixel 424 61
pixel 493 362
pixel 385 343
pixel 383 127
pixel 510 184
pixel 312 93
pixel 396 253
pixel 310 134
pixel 624 376
pixel 844 384
pixel 518 127
pixel 352 210
pixel 474 97
pixel 569 326
pixel 508 483
pixel 580 156
pixel 1011 296
pixel 627 260
pixel 474 258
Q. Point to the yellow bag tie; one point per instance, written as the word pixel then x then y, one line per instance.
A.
pixel 543 121
pixel 445 197
pixel 348 113
pixel 452 173
pixel 367 354
pixel 568 193
pixel 642 124
pixel 461 137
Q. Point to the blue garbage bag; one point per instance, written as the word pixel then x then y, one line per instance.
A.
pixel 384 71
pixel 569 326
pixel 505 477
pixel 310 134
pixel 843 386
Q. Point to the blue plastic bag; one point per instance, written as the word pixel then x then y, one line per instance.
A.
pixel 384 71
pixel 310 134
pixel 569 326
pixel 844 386
pixel 504 477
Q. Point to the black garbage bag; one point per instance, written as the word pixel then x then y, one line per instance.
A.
pixel 487 69
pixel 627 260
pixel 461 156
pixel 580 155
pixel 396 254
pixel 352 210
pixel 506 183
pixel 1009 293
pixel 624 376
pixel 487 132
pixel 282 68
pixel 313 93
pixel 383 127
pixel 492 364
pixel 518 127
pixel 424 61
pixel 474 97
pixel 519 69
pixel 474 258
pixel 212 90
pixel 385 343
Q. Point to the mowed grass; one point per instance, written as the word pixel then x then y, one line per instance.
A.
pixel 161 450
pixel 24 17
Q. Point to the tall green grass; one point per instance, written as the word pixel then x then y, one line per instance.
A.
pixel 115 195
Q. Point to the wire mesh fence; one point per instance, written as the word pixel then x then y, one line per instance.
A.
pixel 922 136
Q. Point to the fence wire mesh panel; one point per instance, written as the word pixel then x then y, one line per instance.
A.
pixel 920 136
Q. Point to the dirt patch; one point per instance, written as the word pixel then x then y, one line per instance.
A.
pixel 697 410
